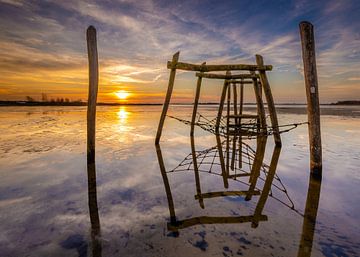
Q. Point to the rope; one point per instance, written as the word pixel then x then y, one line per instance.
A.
pixel 249 129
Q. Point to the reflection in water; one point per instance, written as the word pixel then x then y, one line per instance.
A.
pixel 216 156
pixel 311 209
pixel 123 114
pixel 224 160
pixel 93 207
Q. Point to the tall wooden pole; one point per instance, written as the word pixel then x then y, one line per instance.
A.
pixel 312 94
pixel 91 120
pixel 93 89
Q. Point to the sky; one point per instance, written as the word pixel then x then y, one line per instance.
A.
pixel 43 47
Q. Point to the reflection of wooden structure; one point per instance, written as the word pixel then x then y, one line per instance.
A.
pixel 255 75
pixel 176 224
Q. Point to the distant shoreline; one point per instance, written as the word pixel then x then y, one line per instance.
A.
pixel 36 103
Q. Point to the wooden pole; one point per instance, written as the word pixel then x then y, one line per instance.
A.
pixel 168 96
pixel 196 103
pixel 93 89
pixel 312 95
pixel 221 105
pixel 241 112
pixel 270 101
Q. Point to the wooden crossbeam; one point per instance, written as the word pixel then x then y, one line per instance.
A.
pixel 181 224
pixel 225 193
pixel 208 68
pixel 245 116
pixel 224 76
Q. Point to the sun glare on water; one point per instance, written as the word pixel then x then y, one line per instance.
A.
pixel 122 94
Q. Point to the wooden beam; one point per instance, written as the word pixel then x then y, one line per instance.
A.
pixel 167 97
pixel 225 193
pixel 224 76
pixel 208 68
pixel 181 224
pixel 312 95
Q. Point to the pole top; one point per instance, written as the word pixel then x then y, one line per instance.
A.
pixel 305 23
pixel 91 29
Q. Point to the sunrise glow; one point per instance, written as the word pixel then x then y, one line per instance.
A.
pixel 122 94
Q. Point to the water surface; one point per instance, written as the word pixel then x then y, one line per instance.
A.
pixel 44 207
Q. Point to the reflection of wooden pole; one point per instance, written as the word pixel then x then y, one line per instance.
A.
pixel 196 172
pixel 166 184
pixel 311 209
pixel 222 162
pixel 93 210
pixel 312 94
pixel 270 100
pixel 93 89
pixel 168 96
pixel 267 186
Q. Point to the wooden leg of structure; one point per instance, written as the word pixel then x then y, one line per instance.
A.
pixel 233 157
pixel 221 106
pixel 167 98
pixel 240 112
pixel 227 131
pixel 196 103
pixel 260 106
pixel 270 100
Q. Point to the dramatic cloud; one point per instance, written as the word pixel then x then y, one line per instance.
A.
pixel 44 50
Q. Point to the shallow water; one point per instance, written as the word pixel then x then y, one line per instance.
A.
pixel 44 207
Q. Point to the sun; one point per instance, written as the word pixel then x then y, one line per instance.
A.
pixel 122 94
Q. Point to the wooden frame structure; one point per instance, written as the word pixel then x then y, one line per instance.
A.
pixel 256 76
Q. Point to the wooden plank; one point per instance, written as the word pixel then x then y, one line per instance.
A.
pixel 224 76
pixel 93 90
pixel 208 68
pixel 312 95
pixel 167 97
pixel 270 101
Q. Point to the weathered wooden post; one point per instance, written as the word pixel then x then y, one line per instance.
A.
pixel 312 94
pixel 168 96
pixel 91 119
pixel 93 89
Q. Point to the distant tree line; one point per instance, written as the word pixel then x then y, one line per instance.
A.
pixel 45 99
